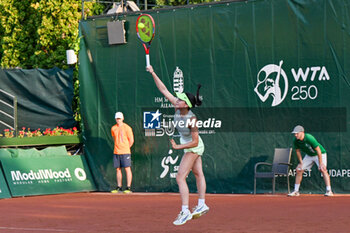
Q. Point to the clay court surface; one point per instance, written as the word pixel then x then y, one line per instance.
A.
pixel 154 212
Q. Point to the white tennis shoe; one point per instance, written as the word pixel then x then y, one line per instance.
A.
pixel 329 194
pixel 199 211
pixel 294 194
pixel 183 217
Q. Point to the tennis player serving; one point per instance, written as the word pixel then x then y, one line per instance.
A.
pixel 193 147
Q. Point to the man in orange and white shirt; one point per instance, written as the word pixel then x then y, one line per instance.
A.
pixel 123 140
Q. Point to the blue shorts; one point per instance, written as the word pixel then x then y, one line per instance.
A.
pixel 122 160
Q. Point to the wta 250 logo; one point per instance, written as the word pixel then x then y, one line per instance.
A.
pixel 272 83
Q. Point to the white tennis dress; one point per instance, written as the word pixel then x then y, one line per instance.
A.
pixel 182 123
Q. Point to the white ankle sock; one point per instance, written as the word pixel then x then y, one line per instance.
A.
pixel 296 187
pixel 328 188
pixel 201 202
pixel 184 208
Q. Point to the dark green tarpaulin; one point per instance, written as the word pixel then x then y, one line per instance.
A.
pixel 44 97
pixel 264 65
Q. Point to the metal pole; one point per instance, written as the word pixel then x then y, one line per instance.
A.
pixel 82 9
pixel 15 121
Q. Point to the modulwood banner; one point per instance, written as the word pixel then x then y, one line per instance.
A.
pixel 47 175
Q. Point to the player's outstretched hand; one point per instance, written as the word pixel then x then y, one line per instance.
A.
pixel 150 69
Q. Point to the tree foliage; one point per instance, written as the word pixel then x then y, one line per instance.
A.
pixel 37 33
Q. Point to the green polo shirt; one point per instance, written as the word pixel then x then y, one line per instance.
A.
pixel 308 145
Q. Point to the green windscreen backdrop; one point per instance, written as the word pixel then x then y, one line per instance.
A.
pixel 265 66
pixel 44 97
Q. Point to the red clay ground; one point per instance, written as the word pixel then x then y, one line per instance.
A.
pixel 149 213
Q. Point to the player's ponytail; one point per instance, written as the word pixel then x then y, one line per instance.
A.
pixel 198 99
pixel 195 100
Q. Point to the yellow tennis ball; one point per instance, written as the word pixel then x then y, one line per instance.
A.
pixel 140 25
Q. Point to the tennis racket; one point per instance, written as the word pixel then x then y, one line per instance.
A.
pixel 145 29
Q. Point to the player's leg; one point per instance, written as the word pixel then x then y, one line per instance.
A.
pixel 128 179
pixel 306 165
pixel 116 164
pixel 299 176
pixel 125 162
pixel 119 181
pixel 185 167
pixel 326 178
pixel 325 175
pixel 197 170
pixel 119 177
pixel 327 182
pixel 200 179
pixel 298 179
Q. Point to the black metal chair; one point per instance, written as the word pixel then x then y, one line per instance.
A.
pixel 279 166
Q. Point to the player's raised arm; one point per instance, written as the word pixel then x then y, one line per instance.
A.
pixel 161 87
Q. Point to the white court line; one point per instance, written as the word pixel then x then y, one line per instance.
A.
pixel 212 194
pixel 35 229
pixel 166 194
